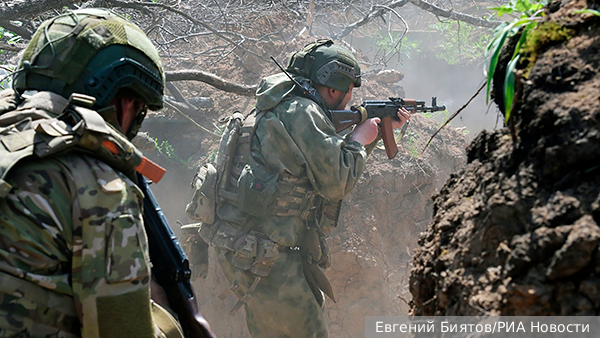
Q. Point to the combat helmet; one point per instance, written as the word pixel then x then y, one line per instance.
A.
pixel 327 64
pixel 93 52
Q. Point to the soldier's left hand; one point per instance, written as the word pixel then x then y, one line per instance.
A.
pixel 403 115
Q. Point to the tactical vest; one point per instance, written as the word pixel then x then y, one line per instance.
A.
pixel 242 185
pixel 239 179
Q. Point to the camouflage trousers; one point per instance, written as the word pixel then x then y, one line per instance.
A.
pixel 282 304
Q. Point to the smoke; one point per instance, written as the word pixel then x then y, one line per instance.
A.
pixel 426 76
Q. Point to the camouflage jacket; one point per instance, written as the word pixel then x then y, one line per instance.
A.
pixel 295 137
pixel 73 250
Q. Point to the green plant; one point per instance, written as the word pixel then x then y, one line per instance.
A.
pixel 462 41
pixel 589 11
pixel 439 116
pixel 407 47
pixel 528 14
pixel 165 148
pixel 212 156
pixel 8 36
pixel 413 150
pixel 523 8
pixel 465 132
pixel 5 78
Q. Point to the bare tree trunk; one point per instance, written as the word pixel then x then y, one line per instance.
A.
pixel 21 31
pixel 452 15
pixel 211 79
pixel 19 9
pixel 12 48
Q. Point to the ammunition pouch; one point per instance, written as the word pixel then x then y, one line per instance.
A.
pixel 196 250
pixel 256 253
pixel 298 200
pixel 252 252
pixel 256 193
pixel 315 248
pixel 203 204
pixel 328 215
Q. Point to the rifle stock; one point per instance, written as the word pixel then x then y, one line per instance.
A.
pixel 170 266
pixel 386 110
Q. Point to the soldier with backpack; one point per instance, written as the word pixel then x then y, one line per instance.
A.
pixel 275 189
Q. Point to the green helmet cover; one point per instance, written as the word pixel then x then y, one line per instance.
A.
pixel 94 52
pixel 326 63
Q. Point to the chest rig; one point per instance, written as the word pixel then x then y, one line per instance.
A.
pixel 234 193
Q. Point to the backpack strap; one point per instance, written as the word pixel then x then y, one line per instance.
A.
pixel 73 128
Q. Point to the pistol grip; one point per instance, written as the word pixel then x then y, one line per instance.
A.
pixel 387 133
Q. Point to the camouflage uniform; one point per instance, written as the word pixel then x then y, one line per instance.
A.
pixel 295 142
pixel 296 137
pixel 74 257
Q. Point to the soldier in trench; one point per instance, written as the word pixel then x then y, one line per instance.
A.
pixel 275 190
pixel 74 258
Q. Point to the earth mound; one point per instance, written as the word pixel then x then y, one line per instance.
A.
pixel 515 231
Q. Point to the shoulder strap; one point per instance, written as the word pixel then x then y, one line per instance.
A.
pixel 16 143
pixel 75 129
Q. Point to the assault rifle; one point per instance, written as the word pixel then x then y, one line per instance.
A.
pixel 171 267
pixel 386 110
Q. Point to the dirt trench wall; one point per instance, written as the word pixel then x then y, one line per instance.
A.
pixel 373 243
pixel 515 232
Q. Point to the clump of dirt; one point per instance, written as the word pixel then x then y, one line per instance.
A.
pixel 515 232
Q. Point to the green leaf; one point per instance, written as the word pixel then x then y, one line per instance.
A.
pixel 536 7
pixel 589 11
pixel 502 10
pixel 494 61
pixel 522 5
pixel 509 87
pixel 497 44
pixel 522 39
pixel 14 39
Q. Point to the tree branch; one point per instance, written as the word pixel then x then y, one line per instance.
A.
pixel 211 79
pixel 20 31
pixel 141 4
pixel 19 9
pixel 179 108
pixel 373 14
pixel 455 15
pixel 12 48
pixel 183 107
